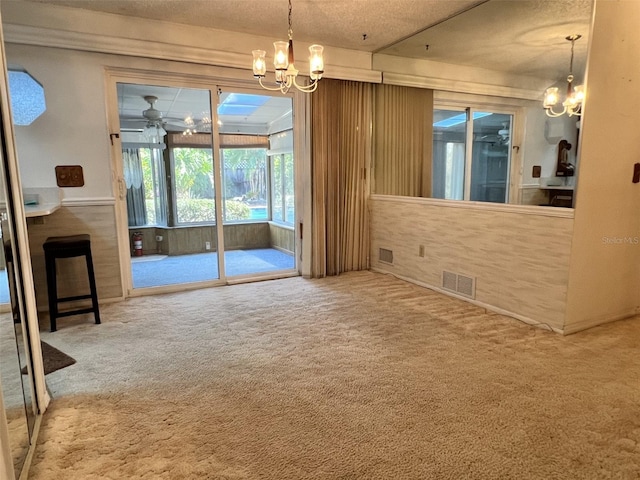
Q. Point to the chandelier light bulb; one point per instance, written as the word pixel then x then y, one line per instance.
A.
pixel 551 97
pixel 578 93
pixel 281 57
pixel 316 62
pixel 259 63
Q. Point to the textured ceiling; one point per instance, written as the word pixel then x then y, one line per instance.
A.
pixel 338 23
pixel 515 36
pixel 525 37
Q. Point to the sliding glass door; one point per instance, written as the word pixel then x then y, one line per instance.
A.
pixel 471 155
pixel 256 161
pixel 168 171
pixel 208 196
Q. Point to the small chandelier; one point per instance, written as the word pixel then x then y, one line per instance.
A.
pixel 572 105
pixel 286 73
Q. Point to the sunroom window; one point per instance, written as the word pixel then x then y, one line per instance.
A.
pixel 193 185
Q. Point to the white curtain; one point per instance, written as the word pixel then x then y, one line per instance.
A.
pixel 448 170
pixel 454 185
pixel 133 177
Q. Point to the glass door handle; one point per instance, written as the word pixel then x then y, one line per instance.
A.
pixel 122 188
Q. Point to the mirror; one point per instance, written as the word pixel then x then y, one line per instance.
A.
pixel 15 358
pixel 16 385
pixel 475 60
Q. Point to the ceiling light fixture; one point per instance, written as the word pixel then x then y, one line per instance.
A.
pixel 193 125
pixel 154 130
pixel 286 72
pixel 572 105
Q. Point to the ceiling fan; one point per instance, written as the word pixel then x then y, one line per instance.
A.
pixel 150 118
pixel 154 125
pixel 502 137
pixel 154 129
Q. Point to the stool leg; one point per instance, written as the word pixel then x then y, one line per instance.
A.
pixel 52 290
pixel 92 286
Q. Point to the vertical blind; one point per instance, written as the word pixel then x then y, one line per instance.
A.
pixel 403 137
pixel 341 116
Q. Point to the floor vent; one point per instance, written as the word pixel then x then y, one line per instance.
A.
pixel 460 284
pixel 385 255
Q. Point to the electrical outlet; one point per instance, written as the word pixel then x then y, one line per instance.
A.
pixel 421 251
pixel 207 245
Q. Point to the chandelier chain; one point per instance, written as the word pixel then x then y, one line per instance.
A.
pixel 573 41
pixel 290 27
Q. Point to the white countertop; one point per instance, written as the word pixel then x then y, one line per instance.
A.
pixel 557 187
pixel 40 209
pixel 48 200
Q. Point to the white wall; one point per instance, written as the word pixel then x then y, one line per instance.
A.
pixel 605 260
pixel 540 130
pixel 73 129
pixel 519 256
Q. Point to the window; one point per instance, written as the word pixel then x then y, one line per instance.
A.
pixel 449 152
pixel 282 193
pixel 479 171
pixel 155 188
pixel 247 176
pixel 193 185
pixel 244 181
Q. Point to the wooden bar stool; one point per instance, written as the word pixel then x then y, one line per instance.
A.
pixel 68 247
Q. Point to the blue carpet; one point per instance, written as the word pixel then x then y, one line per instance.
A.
pixel 201 267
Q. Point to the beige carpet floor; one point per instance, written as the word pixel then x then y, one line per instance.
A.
pixel 357 377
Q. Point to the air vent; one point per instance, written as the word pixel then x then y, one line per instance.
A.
pixel 449 281
pixel 385 256
pixel 460 284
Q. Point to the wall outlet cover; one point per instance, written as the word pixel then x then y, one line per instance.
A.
pixel 69 176
pixel 536 171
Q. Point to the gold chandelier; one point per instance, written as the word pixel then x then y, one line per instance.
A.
pixel 572 105
pixel 286 72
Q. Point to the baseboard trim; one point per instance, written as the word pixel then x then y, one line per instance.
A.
pixel 81 304
pixel 492 308
pixel 594 322
pixel 88 202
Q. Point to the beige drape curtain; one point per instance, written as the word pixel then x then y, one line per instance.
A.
pixel 341 115
pixel 403 138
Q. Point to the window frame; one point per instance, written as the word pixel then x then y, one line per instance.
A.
pixel 283 180
pixel 514 167
pixel 267 187
pixel 172 190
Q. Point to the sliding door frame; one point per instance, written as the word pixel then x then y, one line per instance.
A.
pixel 113 76
pixel 515 154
